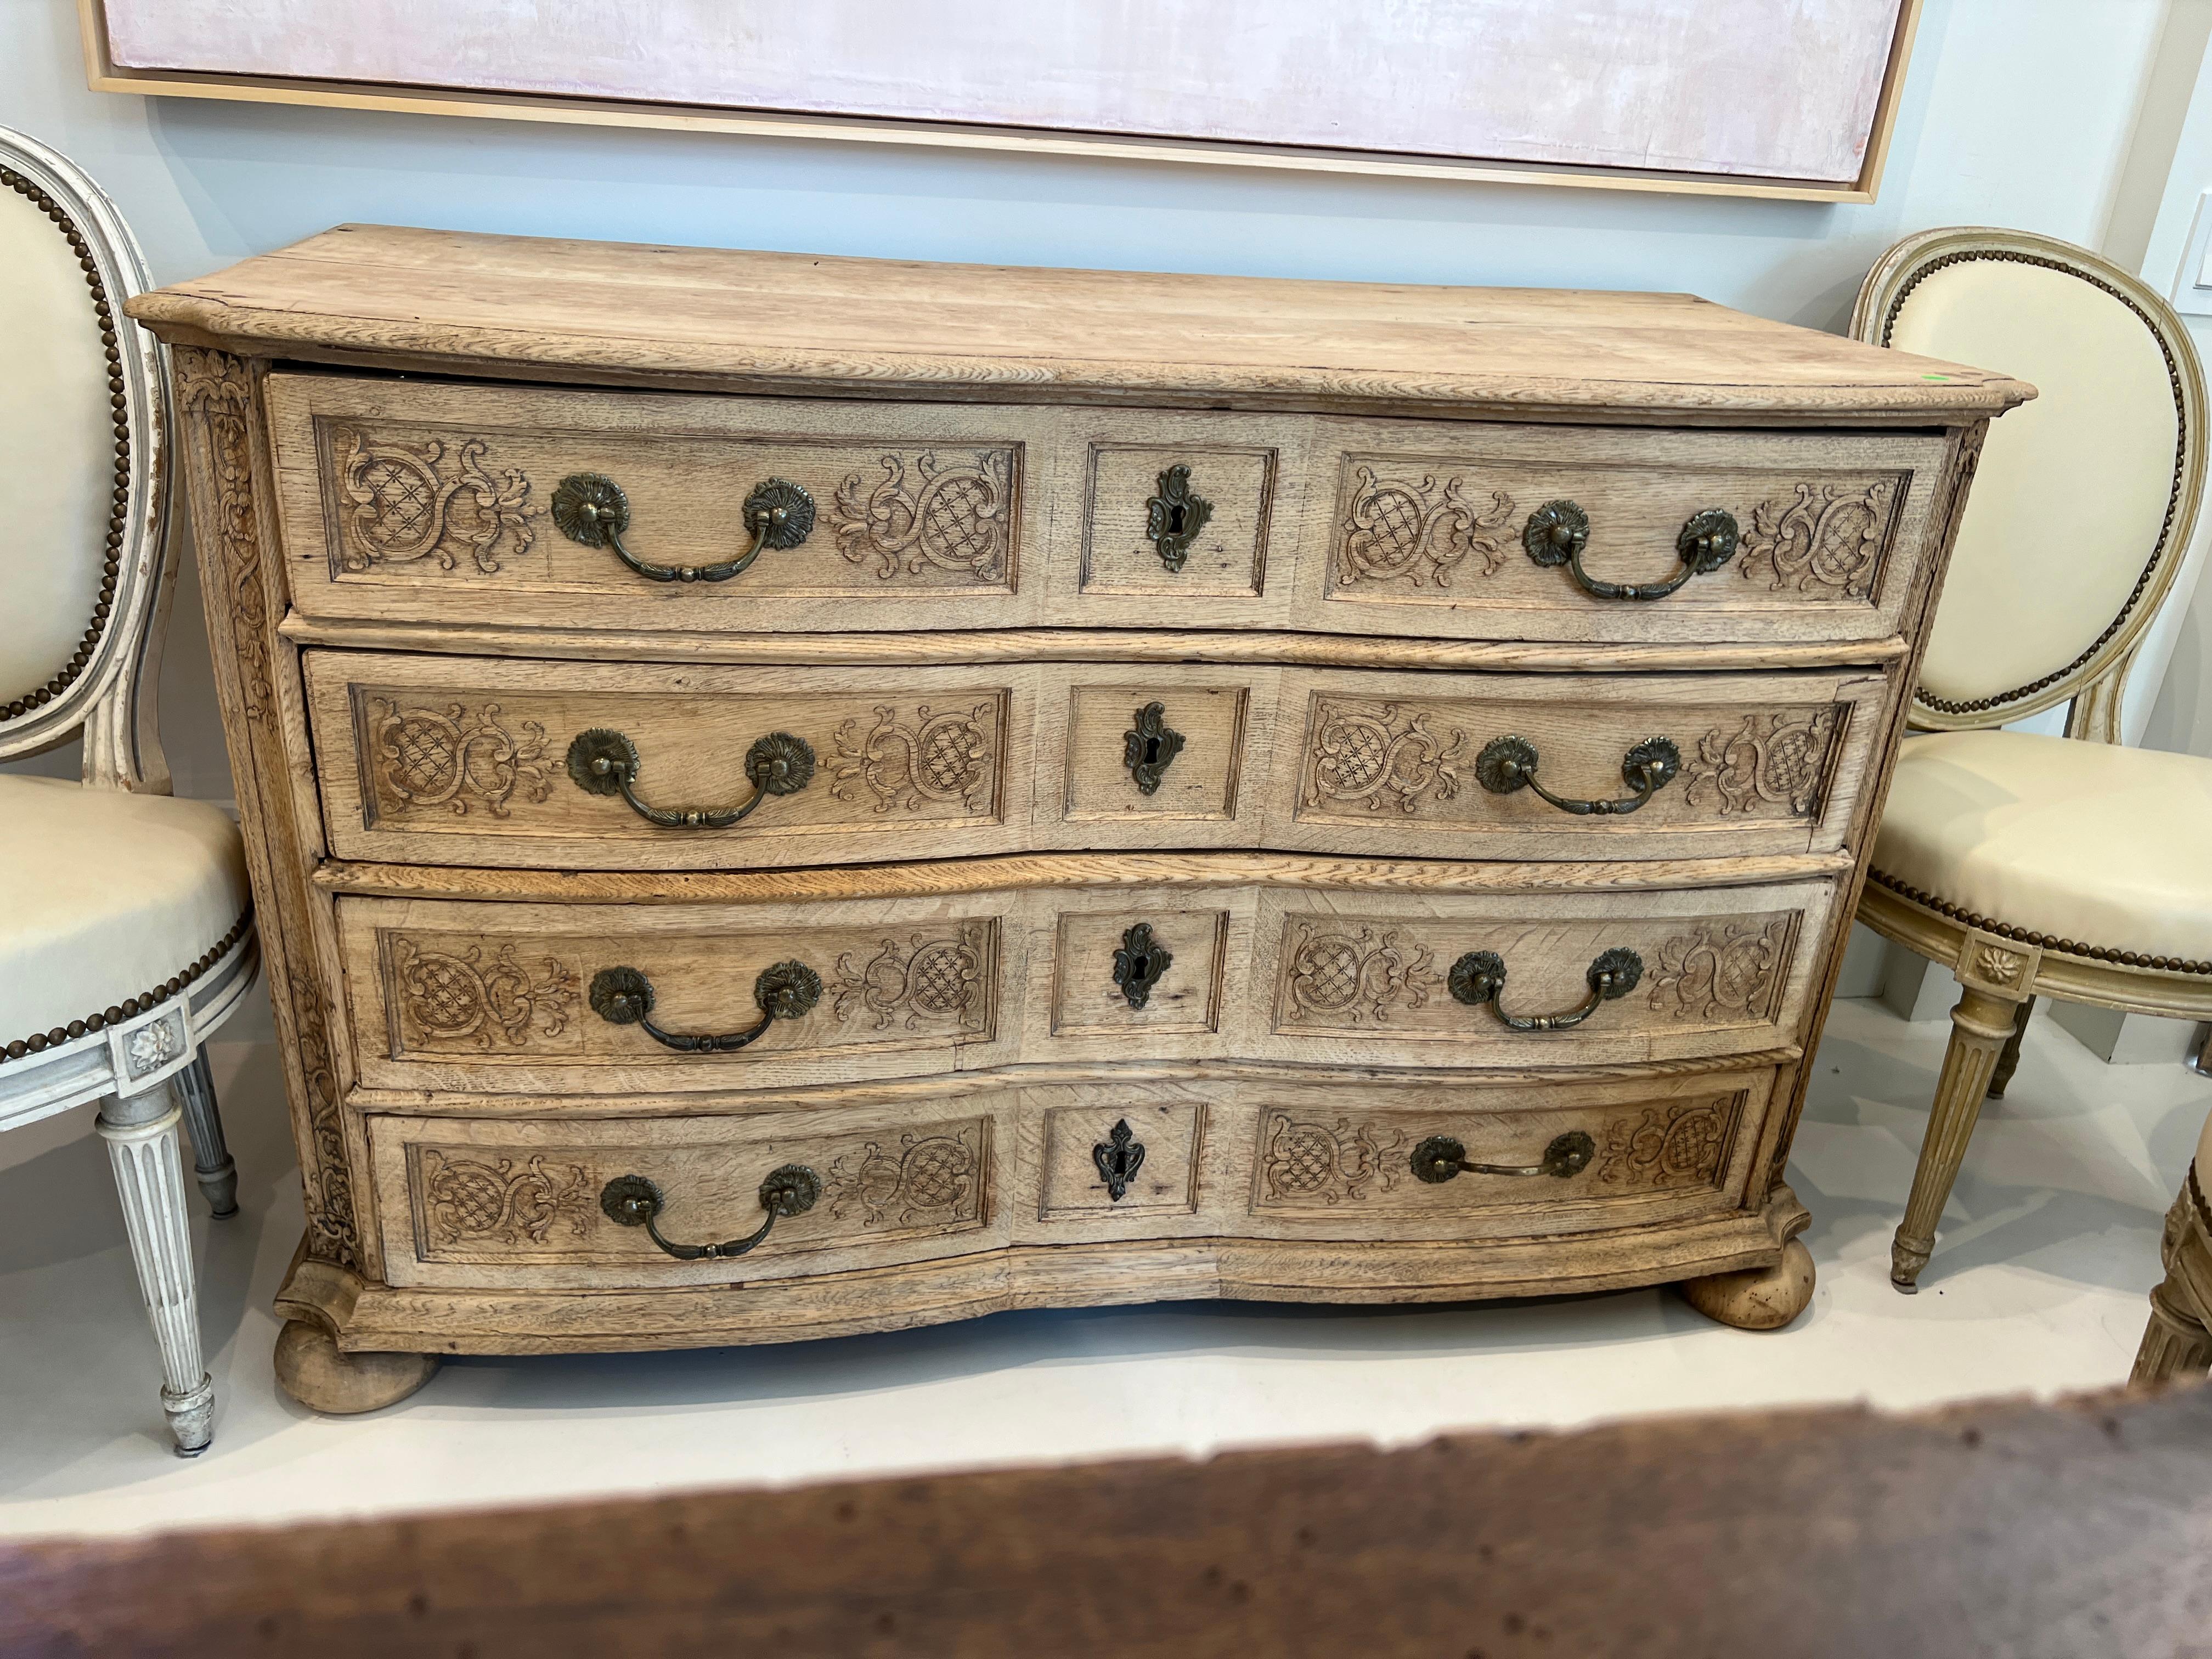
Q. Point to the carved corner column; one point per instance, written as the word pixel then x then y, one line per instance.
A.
pixel 1996 976
pixel 220 405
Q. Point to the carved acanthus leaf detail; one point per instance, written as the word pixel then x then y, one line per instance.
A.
pixel 1395 529
pixel 1721 967
pixel 465 1200
pixel 456 759
pixel 1378 755
pixel 1333 975
pixel 946 759
pixel 926 978
pixel 215 393
pixel 1769 760
pixel 456 997
pixel 956 516
pixel 408 504
pixel 1824 542
pixel 1305 1162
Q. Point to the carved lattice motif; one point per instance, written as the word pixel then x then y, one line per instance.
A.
pixel 1378 755
pixel 1721 967
pixel 945 759
pixel 455 997
pixel 456 759
pixel 465 1199
pixel 956 516
pixel 1302 1161
pixel 1333 975
pixel 924 978
pixel 1767 761
pixel 1395 529
pixel 1824 542
pixel 1681 1146
pixel 935 1178
pixel 408 504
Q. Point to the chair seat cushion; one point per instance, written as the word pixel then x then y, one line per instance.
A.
pixel 110 895
pixel 2090 845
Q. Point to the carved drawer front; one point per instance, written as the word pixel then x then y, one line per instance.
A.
pixel 1457 1162
pixel 1154 756
pixel 615 999
pixel 1634 765
pixel 1111 1160
pixel 1128 975
pixel 1536 980
pixel 417 501
pixel 522 1202
pixel 1466 531
pixel 526 764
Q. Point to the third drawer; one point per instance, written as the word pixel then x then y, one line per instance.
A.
pixel 490 762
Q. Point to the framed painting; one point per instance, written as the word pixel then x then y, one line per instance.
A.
pixel 1774 98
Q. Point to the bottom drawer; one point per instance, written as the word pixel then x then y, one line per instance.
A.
pixel 540 1203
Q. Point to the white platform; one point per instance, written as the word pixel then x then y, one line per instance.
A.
pixel 2037 1286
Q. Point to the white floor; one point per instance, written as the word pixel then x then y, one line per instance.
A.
pixel 2037 1286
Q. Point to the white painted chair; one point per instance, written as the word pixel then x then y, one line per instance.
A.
pixel 127 936
pixel 2031 865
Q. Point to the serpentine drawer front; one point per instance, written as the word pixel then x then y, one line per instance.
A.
pixel 792 796
pixel 607 999
pixel 566 1203
pixel 655 767
pixel 626 510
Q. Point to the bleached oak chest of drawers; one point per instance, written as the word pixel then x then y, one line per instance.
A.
pixel 792 796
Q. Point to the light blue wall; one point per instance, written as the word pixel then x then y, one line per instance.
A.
pixel 2015 112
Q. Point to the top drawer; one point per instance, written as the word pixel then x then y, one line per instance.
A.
pixel 421 501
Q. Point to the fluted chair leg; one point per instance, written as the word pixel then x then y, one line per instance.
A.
pixel 141 1133
pixel 1981 1026
pixel 2008 1061
pixel 213 1167
pixel 2178 1342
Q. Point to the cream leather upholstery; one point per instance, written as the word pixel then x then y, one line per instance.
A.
pixel 2073 488
pixel 2106 847
pixel 59 437
pixel 114 894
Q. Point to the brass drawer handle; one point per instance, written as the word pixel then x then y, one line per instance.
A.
pixel 1150 747
pixel 1174 516
pixel 1506 764
pixel 590 508
pixel 603 761
pixel 631 1201
pixel 623 996
pixel 1440 1158
pixel 1558 532
pixel 1479 976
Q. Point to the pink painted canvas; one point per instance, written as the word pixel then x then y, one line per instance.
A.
pixel 1777 88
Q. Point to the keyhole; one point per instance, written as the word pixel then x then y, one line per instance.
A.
pixel 1140 968
pixel 1174 518
pixel 1151 752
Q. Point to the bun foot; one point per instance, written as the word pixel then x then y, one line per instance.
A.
pixel 1757 1299
pixel 312 1369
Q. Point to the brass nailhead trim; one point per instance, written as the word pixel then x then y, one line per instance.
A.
pixel 40 1042
pixel 119 512
pixel 1943 705
pixel 2071 947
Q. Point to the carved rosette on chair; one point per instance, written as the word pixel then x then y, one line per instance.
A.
pixel 858 844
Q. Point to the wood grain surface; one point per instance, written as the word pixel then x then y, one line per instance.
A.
pixel 2003 1530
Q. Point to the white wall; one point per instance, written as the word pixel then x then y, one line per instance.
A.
pixel 2017 112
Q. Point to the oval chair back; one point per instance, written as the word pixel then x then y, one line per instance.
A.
pixel 83 424
pixel 2084 500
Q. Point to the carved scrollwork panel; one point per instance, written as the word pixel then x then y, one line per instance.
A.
pixel 1339 973
pixel 455 758
pixel 213 393
pixel 1377 755
pixel 920 759
pixel 472 1201
pixel 932 515
pixel 1398 526
pixel 1773 763
pixel 1721 969
pixel 935 978
pixel 1664 1147
pixel 452 997
pixel 431 500
pixel 1824 542
pixel 934 1177
pixel 1305 1164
